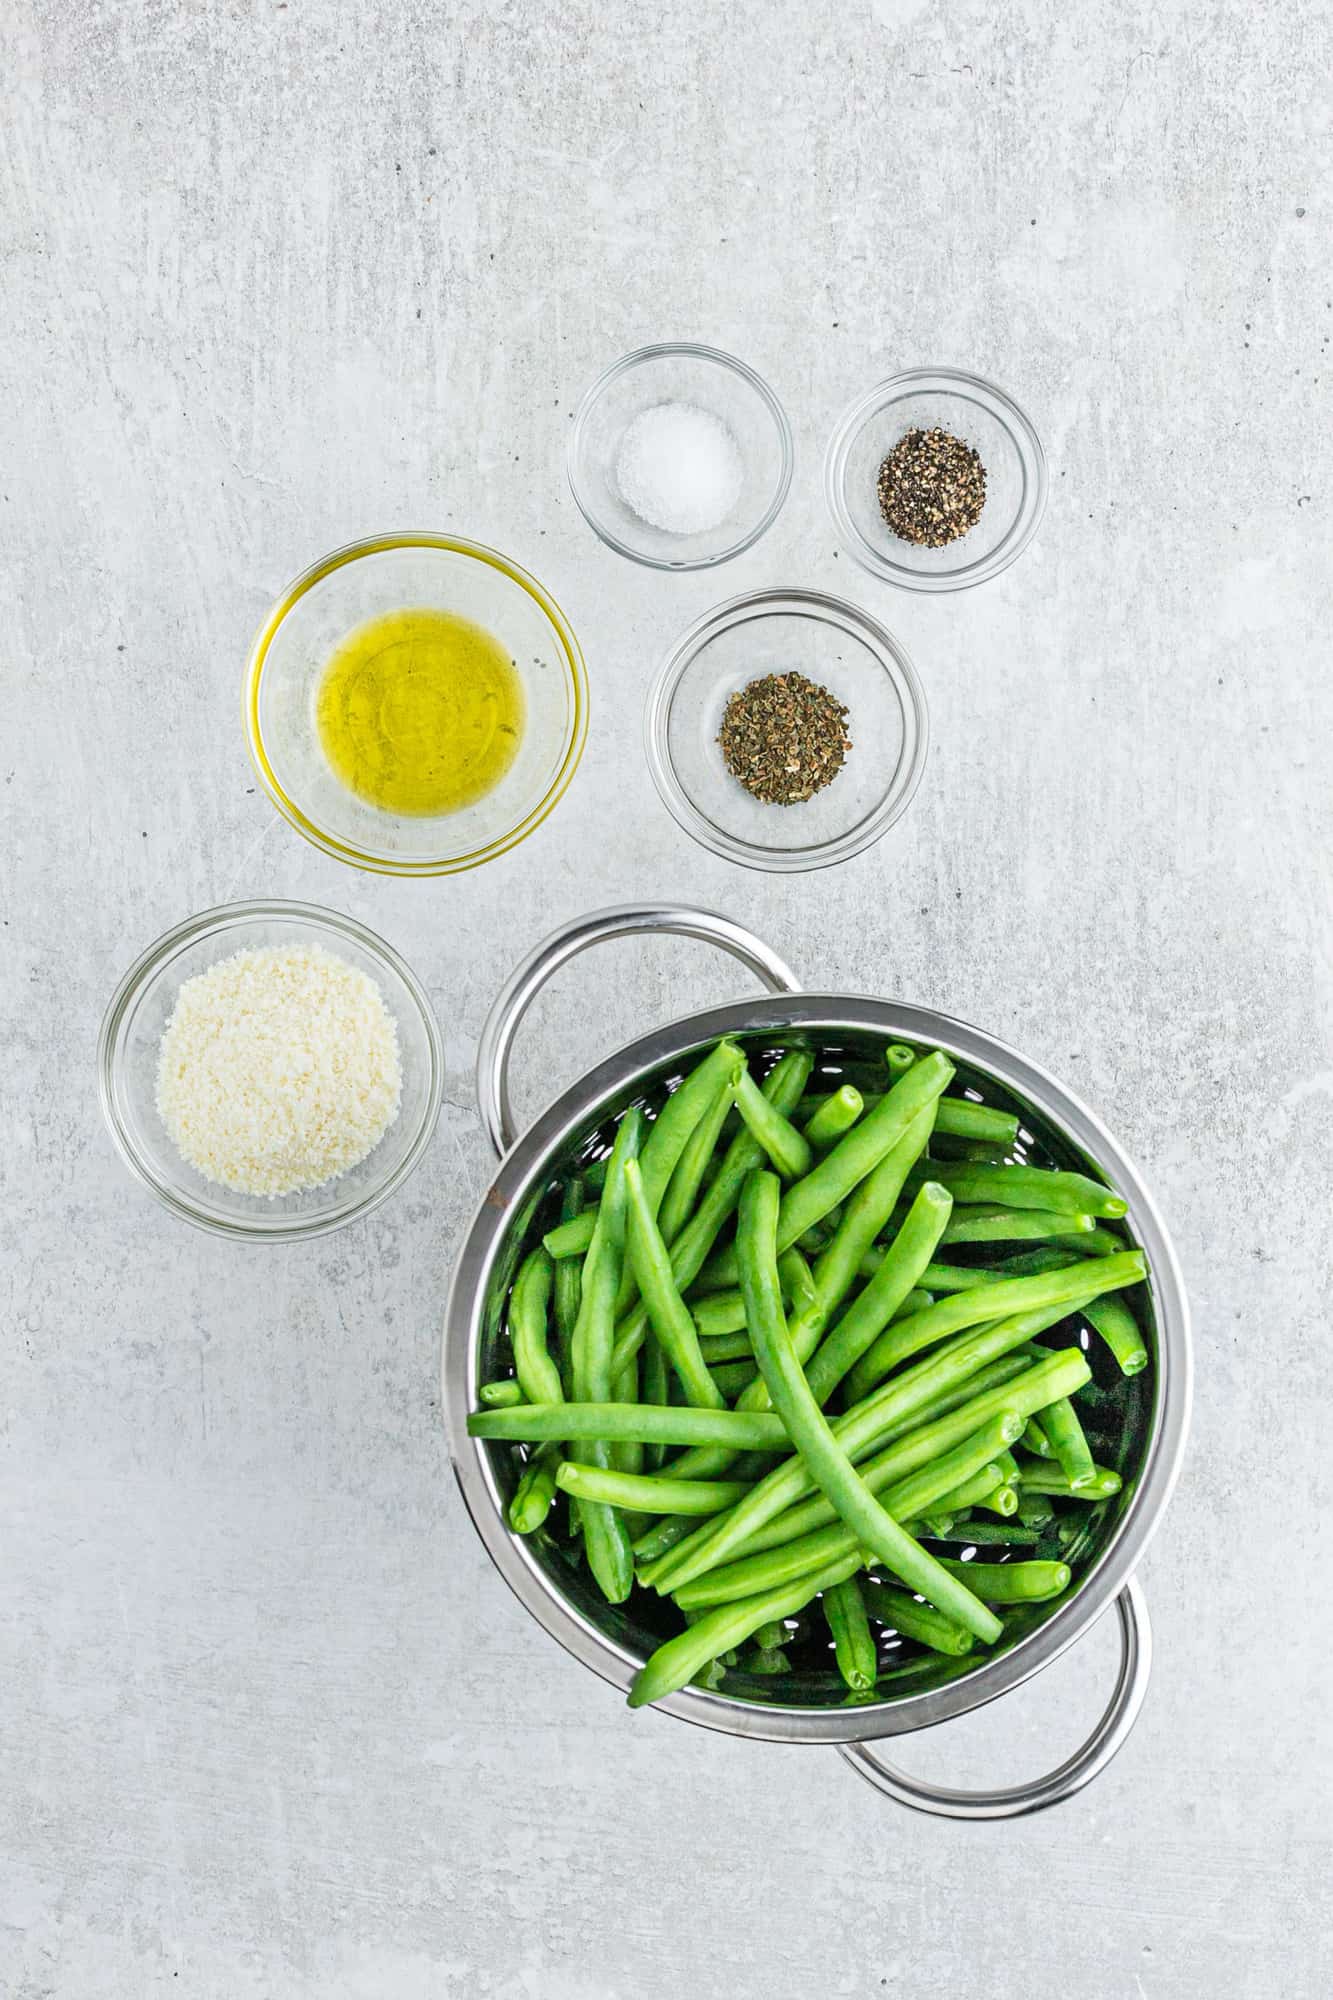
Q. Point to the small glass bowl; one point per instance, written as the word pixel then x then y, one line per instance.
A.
pixel 395 573
pixel 984 417
pixel 127 1056
pixel 710 380
pixel 776 631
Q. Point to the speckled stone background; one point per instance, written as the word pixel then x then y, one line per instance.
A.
pixel 277 275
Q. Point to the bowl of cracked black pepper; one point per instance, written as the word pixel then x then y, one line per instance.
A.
pixel 786 730
pixel 936 480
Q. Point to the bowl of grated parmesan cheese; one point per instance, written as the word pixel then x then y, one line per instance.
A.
pixel 270 1070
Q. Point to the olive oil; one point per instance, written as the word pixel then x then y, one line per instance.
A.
pixel 420 712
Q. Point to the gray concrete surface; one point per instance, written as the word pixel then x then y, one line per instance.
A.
pixel 278 275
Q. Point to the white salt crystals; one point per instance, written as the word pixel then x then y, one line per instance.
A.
pixel 679 469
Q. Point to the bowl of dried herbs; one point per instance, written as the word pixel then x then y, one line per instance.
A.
pixel 786 730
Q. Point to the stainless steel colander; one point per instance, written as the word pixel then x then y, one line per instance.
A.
pixel 798 1709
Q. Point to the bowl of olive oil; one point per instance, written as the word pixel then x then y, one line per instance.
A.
pixel 415 704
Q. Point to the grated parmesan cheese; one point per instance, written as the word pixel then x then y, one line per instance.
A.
pixel 278 1069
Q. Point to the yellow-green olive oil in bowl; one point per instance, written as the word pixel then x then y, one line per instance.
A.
pixel 420 712
pixel 416 704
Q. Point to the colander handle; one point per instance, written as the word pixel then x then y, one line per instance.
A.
pixel 1011 1801
pixel 527 981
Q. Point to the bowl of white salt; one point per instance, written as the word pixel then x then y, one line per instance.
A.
pixel 680 456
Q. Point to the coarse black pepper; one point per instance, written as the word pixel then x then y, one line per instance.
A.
pixel 784 737
pixel 932 488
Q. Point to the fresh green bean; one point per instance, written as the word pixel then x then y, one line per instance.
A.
pixel 783 1086
pixel 1001 1501
pixel 1027 1263
pixel 766 1660
pixel 732 1378
pixel 654 1388
pixel 1071 1287
pixel 973 1152
pixel 538 1376
pixel 1011 1582
pixel 1095 1242
pixel 723 1313
pixel 667 1311
pixel 627 1455
pixel 1065 1433
pixel 806 1424
pixel 669 1134
pixel 568 1286
pixel 820 1234
pixel 534 1423
pixel 1023 1187
pixel 717 1347
pixel 595 1364
pixel 833 1116
pixel 683 1188
pixel 914 1620
pixel 595 1370
pixel 993 1223
pixel 966 1277
pixel 865 1214
pixel 571 1236
pixel 853 1641
pixel 906 1498
pixel 503 1395
pixel 876 1304
pixel 718 1313
pixel 1002 1533
pixel 957 1117
pixel 861 1150
pixel 689 1102
pixel 861 1430
pixel 797 1281
pixel 681 1658
pixel 1035 1509
pixel 939 1277
pixel 1118 1327
pixel 899 1058
pixel 987 1377
pixel 981 1485
pixel 532 1498
pixel 961 1118
pixel 663 1535
pixel 1040 1477
pixel 788 1149
pixel 719 1274
pixel 770 1636
pixel 648 1495
pixel 1036 1440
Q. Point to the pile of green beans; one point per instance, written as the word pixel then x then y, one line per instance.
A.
pixel 840 1371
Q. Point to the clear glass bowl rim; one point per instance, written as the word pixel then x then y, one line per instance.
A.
pixel 696 351
pixel 1006 412
pixel 379 864
pixel 225 916
pixel 907 773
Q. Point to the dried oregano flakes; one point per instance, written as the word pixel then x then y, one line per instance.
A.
pixel 784 737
